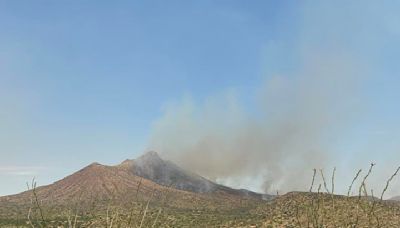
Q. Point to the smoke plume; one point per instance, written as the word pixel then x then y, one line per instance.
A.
pixel 301 112
pixel 281 141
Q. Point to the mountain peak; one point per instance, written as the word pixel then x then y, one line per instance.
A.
pixel 151 166
pixel 150 155
pixel 150 158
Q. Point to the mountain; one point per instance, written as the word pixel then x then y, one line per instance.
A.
pixel 151 166
pixel 166 173
pixel 152 192
pixel 395 198
pixel 145 176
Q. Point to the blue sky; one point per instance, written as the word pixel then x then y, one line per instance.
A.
pixel 85 81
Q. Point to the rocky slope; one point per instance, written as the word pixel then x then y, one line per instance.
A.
pixel 147 176
pixel 166 173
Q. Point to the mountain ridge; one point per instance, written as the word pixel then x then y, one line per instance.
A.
pixel 149 171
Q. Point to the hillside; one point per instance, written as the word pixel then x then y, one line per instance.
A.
pixel 101 181
pixel 97 186
pixel 152 192
pixel 152 167
pixel 295 209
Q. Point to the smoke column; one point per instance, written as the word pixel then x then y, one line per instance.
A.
pixel 290 133
pixel 300 115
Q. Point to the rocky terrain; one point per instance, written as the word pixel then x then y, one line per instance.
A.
pixel 152 192
pixel 130 184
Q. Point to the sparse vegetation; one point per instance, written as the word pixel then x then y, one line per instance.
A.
pixel 167 207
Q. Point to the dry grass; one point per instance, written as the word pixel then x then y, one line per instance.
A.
pixel 165 208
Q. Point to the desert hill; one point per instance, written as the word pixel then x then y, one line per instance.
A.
pixel 152 192
pixel 152 167
pixel 141 179
pixel 103 181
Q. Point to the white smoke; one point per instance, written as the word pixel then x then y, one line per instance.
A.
pixel 300 116
pixel 289 134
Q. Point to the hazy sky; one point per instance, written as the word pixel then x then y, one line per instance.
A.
pixel 85 81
